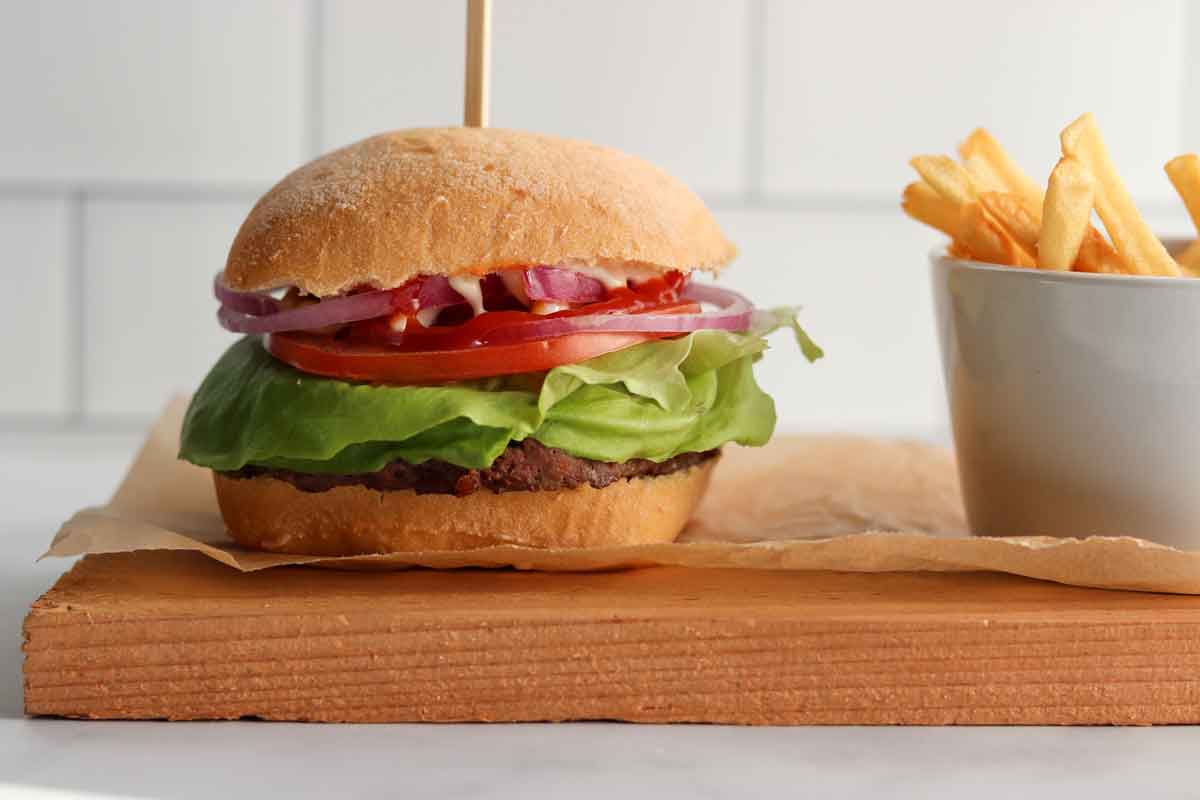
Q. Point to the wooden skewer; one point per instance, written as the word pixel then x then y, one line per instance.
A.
pixel 479 34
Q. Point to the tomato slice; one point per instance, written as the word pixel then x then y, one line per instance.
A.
pixel 659 295
pixel 372 351
pixel 321 355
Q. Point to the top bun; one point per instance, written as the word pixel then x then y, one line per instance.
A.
pixel 447 201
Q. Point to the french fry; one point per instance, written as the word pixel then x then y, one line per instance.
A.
pixel 1097 255
pixel 947 177
pixel 1019 218
pixel 1066 215
pixel 983 174
pixel 989 163
pixel 994 169
pixel 987 240
pixel 957 249
pixel 1141 250
pixel 1189 259
pixel 999 229
pixel 923 204
pixel 1184 172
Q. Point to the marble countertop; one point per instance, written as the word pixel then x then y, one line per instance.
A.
pixel 43 477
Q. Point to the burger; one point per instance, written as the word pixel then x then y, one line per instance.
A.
pixel 463 337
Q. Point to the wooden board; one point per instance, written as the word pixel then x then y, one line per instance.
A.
pixel 175 635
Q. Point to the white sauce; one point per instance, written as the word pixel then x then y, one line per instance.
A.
pixel 468 287
pixel 547 307
pixel 514 281
pixel 613 277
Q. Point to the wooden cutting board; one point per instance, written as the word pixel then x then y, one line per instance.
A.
pixel 176 635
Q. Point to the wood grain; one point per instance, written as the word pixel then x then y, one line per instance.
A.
pixel 477 78
pixel 178 636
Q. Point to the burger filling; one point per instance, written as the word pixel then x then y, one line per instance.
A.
pixel 537 379
pixel 527 466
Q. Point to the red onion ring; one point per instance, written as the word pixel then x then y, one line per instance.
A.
pixel 561 285
pixel 436 292
pixel 337 311
pixel 352 308
pixel 735 314
pixel 248 312
pixel 256 303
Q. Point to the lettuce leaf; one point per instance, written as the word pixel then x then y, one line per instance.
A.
pixel 652 401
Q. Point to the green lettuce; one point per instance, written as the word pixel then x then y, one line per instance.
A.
pixel 653 401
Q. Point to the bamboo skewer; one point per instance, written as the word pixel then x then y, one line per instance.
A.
pixel 475 90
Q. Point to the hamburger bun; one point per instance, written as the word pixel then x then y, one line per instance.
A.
pixel 449 201
pixel 268 514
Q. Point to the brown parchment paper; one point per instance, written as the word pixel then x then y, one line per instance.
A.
pixel 801 503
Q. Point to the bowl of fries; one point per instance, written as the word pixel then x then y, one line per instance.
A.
pixel 1071 358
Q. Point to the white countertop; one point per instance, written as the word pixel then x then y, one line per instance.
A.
pixel 44 477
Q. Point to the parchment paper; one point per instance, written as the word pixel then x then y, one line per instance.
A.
pixel 801 503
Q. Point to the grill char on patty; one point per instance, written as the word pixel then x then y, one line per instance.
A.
pixel 527 466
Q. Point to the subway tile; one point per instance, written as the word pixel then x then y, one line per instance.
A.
pixel 390 65
pixel 854 89
pixel 863 281
pixel 1191 80
pixel 151 327
pixel 35 330
pixel 141 90
pixel 655 79
pixel 666 80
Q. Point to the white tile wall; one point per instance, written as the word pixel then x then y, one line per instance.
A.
pixel 141 131
pixel 656 79
pixel 35 328
pixel 1191 80
pixel 854 88
pixel 150 321
pixel 390 65
pixel 665 80
pixel 863 282
pixel 146 90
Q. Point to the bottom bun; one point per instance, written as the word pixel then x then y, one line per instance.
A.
pixel 269 514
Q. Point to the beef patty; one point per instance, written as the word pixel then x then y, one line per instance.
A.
pixel 527 466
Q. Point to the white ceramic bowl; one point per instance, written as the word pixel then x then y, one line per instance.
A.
pixel 1075 400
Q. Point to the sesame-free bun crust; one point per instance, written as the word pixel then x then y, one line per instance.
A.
pixel 447 201
pixel 268 514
